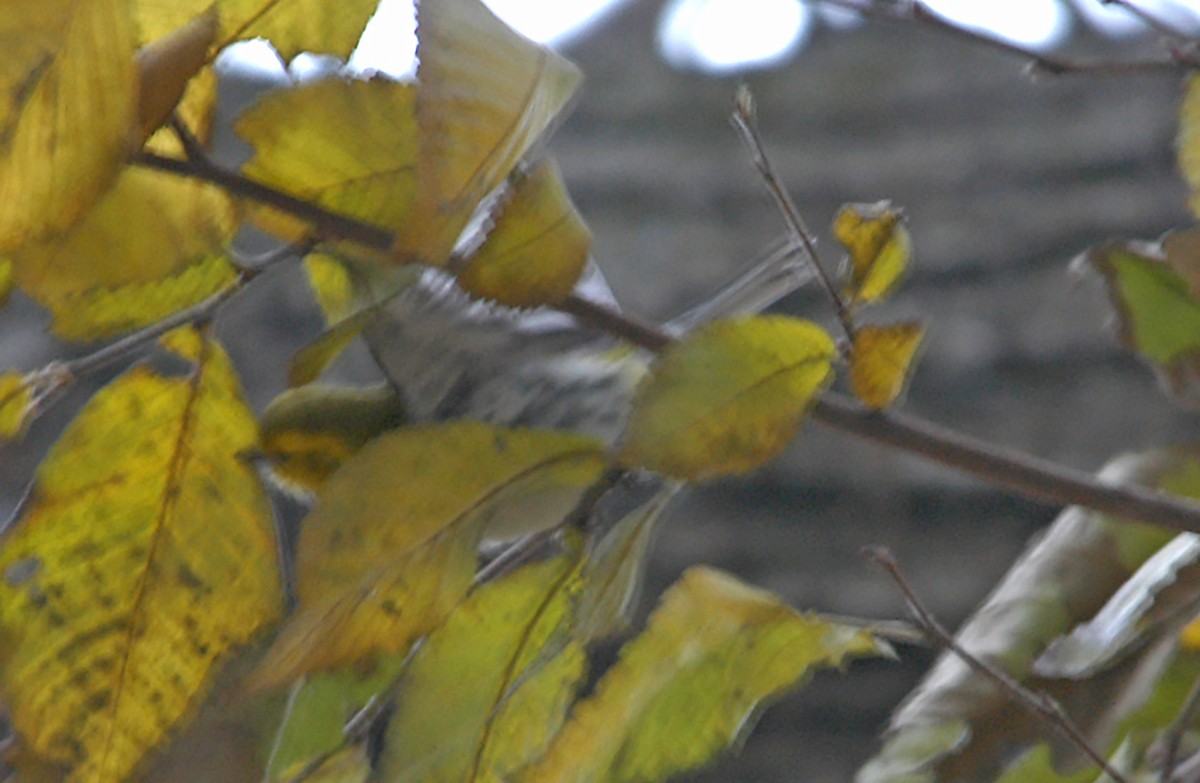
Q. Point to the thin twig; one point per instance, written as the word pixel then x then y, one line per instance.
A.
pixel 1040 705
pixel 328 223
pixel 919 13
pixel 192 147
pixel 49 382
pixel 1174 733
pixel 745 123
pixel 1025 475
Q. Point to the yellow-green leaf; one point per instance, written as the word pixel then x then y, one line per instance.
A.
pixel 389 549
pixel 879 248
pixel 1158 316
pixel 727 397
pixel 481 699
pixel 690 685
pixel 880 361
pixel 1189 140
pixel 67 107
pixel 486 95
pixel 306 433
pixel 538 248
pixel 146 551
pixel 16 403
pixel 319 710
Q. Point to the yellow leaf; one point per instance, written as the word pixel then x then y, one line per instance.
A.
pixel 486 96
pixel 301 147
pixel 166 67
pixel 306 433
pixel 67 104
pixel 389 549
pixel 479 699
pixel 1189 140
pixel 146 551
pixel 690 684
pixel 538 248
pixel 880 361
pixel 292 26
pixel 727 397
pixel 6 281
pixel 879 248
pixel 16 403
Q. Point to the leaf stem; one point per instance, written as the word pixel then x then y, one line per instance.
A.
pixel 1040 705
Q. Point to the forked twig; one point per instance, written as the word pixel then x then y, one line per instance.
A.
pixel 746 124
pixel 1039 705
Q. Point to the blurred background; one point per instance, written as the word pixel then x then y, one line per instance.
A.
pixel 1004 179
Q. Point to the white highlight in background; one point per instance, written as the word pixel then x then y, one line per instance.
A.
pixel 724 36
pixel 1037 24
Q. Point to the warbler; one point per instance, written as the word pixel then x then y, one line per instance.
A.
pixel 446 355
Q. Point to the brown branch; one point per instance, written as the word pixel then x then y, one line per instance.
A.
pixel 1037 704
pixel 329 224
pixel 1019 473
pixel 918 13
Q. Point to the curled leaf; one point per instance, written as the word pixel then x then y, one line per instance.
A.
pixel 167 65
pixel 538 248
pixel 879 248
pixel 727 397
pixel 881 360
pixel 487 96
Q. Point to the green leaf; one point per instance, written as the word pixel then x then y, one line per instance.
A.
pixel 1158 315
